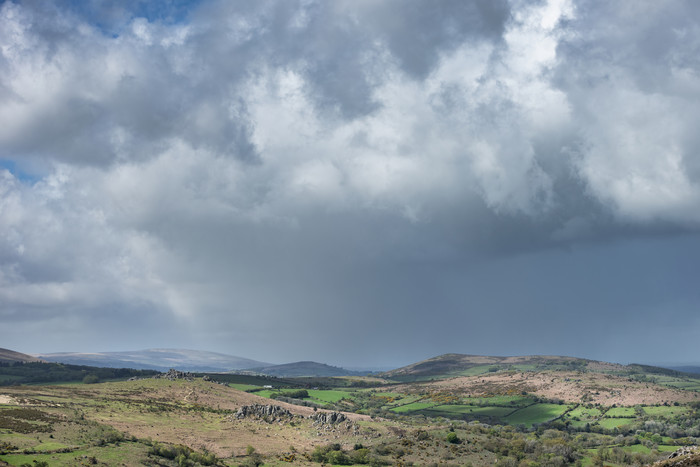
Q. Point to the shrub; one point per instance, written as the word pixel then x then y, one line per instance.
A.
pixel 253 460
pixel 91 379
pixel 338 458
pixel 360 456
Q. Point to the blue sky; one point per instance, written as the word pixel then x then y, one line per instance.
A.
pixel 362 183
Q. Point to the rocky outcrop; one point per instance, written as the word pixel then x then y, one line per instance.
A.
pixel 174 374
pixel 265 412
pixel 334 425
pixel 328 418
pixel 684 451
pixel 686 456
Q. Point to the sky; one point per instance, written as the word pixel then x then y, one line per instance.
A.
pixel 356 182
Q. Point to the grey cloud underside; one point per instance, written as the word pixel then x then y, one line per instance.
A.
pixel 232 172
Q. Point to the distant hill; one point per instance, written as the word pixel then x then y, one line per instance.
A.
pixel 158 359
pixel 297 369
pixel 10 356
pixel 458 365
pixel 452 365
pixel 694 369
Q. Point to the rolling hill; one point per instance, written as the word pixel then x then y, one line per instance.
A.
pixel 10 356
pixel 448 365
pixel 299 369
pixel 473 410
pixel 158 359
pixel 455 365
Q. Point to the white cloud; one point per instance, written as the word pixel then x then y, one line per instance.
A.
pixel 274 161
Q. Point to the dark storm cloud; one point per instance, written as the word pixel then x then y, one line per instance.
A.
pixel 423 177
pixel 418 34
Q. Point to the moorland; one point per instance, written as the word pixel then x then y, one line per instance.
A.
pixel 449 410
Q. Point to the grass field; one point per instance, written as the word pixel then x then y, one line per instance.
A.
pixel 621 412
pixel 664 411
pixel 688 383
pixel 537 413
pixel 468 410
pixel 585 413
pixel 321 396
pixel 611 423
pixel 500 401
pixel 129 454
pixel 645 450
pixel 413 407
pixel 581 415
pixel 326 395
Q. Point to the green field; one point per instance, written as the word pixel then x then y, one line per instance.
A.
pixel 611 423
pixel 621 412
pixel 121 454
pixel 537 413
pixel 497 407
pixel 327 395
pixel 395 395
pixel 315 395
pixel 664 411
pixel 243 387
pixel 452 410
pixel 585 413
pixel 413 407
pixel 501 401
pixel 581 416
pixel 685 383
pixel 645 450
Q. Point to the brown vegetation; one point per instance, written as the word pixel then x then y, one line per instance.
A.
pixel 197 414
pixel 577 387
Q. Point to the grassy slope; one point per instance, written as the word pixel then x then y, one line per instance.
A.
pixel 200 414
pixel 10 356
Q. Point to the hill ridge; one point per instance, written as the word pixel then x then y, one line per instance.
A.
pixel 449 363
pixel 11 356
pixel 305 368
pixel 160 359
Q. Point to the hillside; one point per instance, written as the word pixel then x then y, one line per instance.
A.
pixel 10 356
pixel 158 359
pixel 453 365
pixel 448 365
pixel 202 422
pixel 298 369
pixel 451 409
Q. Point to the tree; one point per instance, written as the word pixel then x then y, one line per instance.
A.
pixel 91 379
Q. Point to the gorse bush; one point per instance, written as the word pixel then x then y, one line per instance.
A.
pixel 335 455
pixel 183 455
